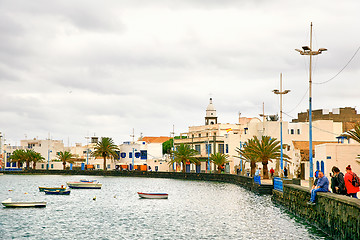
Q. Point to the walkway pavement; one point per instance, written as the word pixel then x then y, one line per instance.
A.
pixel 304 183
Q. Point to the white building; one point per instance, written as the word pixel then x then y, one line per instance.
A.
pixel 340 155
pixel 145 154
pixel 226 138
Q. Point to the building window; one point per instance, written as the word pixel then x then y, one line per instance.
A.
pixel 98 166
pixel 137 154
pixel 192 135
pixel 221 148
pixel 130 154
pixel 143 154
pixel 208 148
pixel 123 155
pixel 198 148
pixel 108 166
pixel 292 131
pixel 214 133
pixel 298 131
pixel 226 148
pixel 245 130
pixel 42 166
pixel 199 135
pixel 118 155
pixel 52 165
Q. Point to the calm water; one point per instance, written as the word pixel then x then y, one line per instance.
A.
pixel 194 210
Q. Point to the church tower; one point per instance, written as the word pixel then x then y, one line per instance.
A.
pixel 210 114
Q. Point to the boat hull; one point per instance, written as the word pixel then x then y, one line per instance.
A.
pixel 57 192
pixel 43 189
pixel 9 204
pixel 153 195
pixel 84 185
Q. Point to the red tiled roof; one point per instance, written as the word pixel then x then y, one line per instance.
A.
pixel 155 139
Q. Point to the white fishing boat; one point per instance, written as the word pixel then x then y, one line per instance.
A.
pixel 10 203
pixel 153 195
pixel 85 185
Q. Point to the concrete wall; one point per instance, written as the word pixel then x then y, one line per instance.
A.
pixel 337 215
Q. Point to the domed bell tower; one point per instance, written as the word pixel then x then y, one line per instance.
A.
pixel 211 117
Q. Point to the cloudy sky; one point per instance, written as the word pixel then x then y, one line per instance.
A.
pixel 76 68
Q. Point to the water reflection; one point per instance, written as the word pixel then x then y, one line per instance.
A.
pixel 194 210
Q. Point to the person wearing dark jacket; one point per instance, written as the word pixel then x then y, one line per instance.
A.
pixel 337 182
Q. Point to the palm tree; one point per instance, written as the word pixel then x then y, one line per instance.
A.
pixel 34 157
pixel 246 154
pixel 353 134
pixel 19 156
pixel 106 148
pixel 184 154
pixel 267 149
pixel 264 150
pixel 219 159
pixel 65 157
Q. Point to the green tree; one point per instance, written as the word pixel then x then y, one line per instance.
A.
pixel 19 156
pixel 219 159
pixel 184 154
pixel 34 157
pixel 264 150
pixel 106 148
pixel 247 155
pixel 65 157
pixel 166 146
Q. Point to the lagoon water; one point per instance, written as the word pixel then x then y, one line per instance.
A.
pixel 194 210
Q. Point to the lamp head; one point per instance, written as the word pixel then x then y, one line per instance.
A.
pixel 275 91
pixel 306 48
pixel 322 49
pixel 286 91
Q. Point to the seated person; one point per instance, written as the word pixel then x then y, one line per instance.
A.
pixel 321 186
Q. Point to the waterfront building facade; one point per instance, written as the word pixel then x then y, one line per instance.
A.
pixel 215 137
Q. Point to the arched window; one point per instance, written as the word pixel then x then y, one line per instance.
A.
pixel 322 166
pixel 317 165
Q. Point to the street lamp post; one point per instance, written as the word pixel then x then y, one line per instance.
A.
pixel 281 92
pixel 309 52
pixel 47 167
pixel 133 152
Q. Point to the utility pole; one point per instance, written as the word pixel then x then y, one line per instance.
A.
pixel 309 52
pixel 173 146
pixel 281 92
pixel 133 150
pixel 264 117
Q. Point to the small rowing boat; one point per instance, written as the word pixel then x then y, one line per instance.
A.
pixel 10 204
pixel 57 192
pixel 153 195
pixel 84 185
pixel 42 189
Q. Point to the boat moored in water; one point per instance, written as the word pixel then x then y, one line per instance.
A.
pixel 10 204
pixel 42 189
pixel 84 185
pixel 58 192
pixel 153 195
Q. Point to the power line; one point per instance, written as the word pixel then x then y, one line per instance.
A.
pixel 341 69
pixel 299 102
